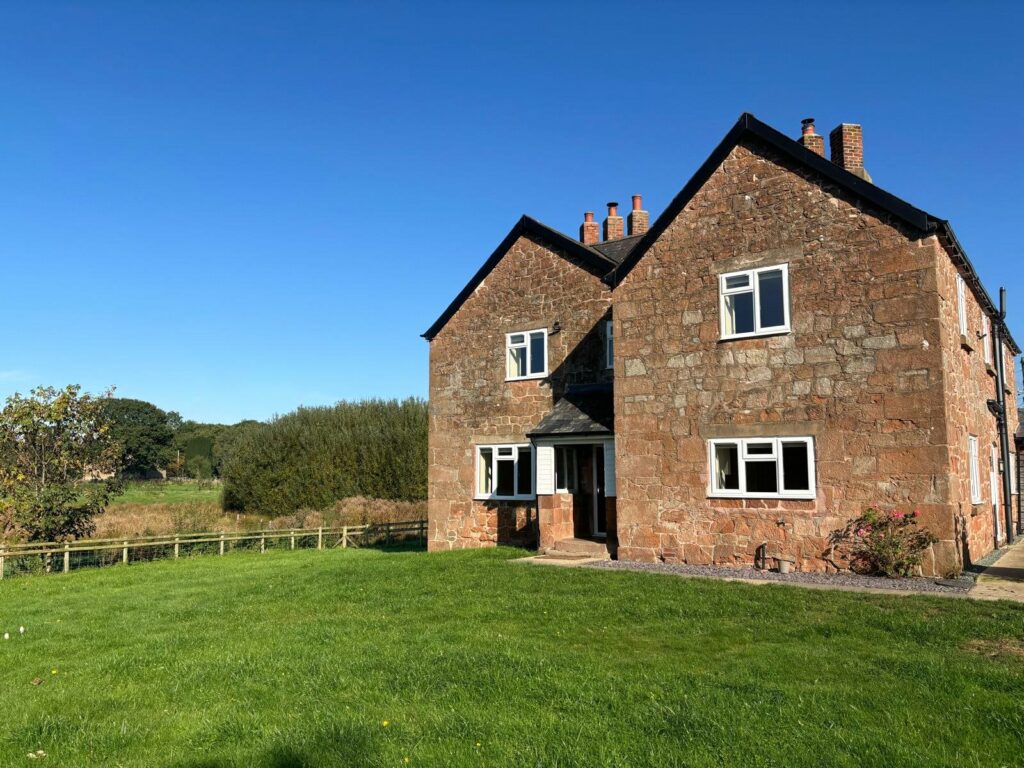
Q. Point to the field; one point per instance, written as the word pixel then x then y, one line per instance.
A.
pixel 468 659
pixel 153 508
pixel 156 492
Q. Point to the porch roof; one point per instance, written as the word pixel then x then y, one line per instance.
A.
pixel 583 410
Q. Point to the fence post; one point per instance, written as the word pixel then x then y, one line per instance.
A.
pixel 2 563
pixel 67 558
pixel 293 539
pixel 387 534
pixel 263 543
pixel 124 554
pixel 344 537
pixel 177 546
pixel 222 542
pixel 320 537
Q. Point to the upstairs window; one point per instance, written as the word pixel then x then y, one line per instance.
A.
pixel 762 467
pixel 504 472
pixel 754 302
pixel 527 354
pixel 609 346
pixel 986 340
pixel 961 303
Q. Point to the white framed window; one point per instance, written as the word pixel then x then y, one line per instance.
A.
pixel 609 346
pixel 566 471
pixel 986 337
pixel 526 353
pixel 972 447
pixel 762 467
pixel 504 471
pixel 961 303
pixel 754 302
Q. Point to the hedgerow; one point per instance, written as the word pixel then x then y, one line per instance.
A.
pixel 313 457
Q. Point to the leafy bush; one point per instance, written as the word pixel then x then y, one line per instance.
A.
pixel 313 457
pixel 886 543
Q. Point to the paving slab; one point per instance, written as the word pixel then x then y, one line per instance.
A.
pixel 1004 579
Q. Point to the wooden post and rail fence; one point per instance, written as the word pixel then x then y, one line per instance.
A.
pixel 52 556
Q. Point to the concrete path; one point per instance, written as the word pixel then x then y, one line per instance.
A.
pixel 1004 579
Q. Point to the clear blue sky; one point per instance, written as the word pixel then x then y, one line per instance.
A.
pixel 231 209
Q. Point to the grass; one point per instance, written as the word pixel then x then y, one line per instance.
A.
pixel 160 492
pixel 467 659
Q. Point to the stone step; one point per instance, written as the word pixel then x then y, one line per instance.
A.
pixel 580 547
pixel 554 554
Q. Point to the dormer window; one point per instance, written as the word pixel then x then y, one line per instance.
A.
pixel 754 302
pixel 526 355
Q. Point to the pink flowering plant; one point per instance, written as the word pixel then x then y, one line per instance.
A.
pixel 885 543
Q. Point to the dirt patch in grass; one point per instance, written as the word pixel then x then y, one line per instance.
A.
pixel 1003 648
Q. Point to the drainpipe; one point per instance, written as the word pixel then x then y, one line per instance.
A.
pixel 1001 421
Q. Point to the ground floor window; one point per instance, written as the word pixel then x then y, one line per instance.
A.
pixel 762 467
pixel 504 471
pixel 972 448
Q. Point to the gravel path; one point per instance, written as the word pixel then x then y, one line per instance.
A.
pixel 846 580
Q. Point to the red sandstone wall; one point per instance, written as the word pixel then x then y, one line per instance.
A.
pixel 470 401
pixel 860 371
pixel 970 383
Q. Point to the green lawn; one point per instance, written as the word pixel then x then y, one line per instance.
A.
pixel 161 492
pixel 466 659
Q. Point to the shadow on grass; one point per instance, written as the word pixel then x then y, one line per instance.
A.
pixel 412 545
pixel 343 746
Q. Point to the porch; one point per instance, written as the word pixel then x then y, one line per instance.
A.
pixel 576 475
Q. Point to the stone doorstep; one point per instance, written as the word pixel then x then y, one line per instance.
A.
pixel 579 547
pixel 561 561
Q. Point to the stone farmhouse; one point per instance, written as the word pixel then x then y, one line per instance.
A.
pixel 786 345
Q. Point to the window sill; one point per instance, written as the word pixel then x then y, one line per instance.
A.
pixel 533 377
pixel 504 498
pixel 808 496
pixel 989 369
pixel 755 335
pixel 965 343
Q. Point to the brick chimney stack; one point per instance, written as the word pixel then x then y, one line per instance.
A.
pixel 613 224
pixel 638 218
pixel 810 139
pixel 589 231
pixel 847 142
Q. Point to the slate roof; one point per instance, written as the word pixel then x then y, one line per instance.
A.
pixel 617 250
pixel 583 410
pixel 1020 426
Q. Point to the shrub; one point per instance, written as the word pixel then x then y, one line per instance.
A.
pixel 885 543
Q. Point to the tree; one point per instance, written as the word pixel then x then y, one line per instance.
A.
pixel 145 433
pixel 51 443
